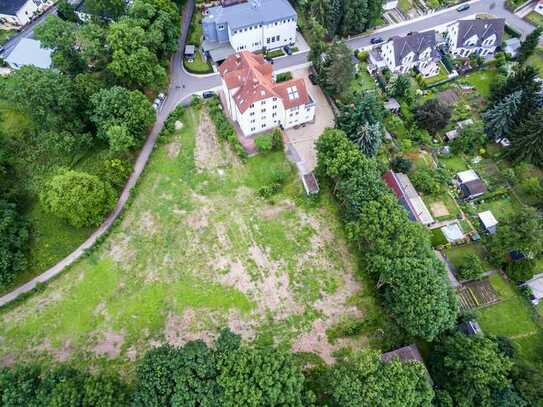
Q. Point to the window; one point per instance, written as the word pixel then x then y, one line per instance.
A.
pixel 263 110
pixel 252 121
pixel 263 102
pixel 274 107
pixel 292 92
pixel 220 27
pixel 263 125
pixel 252 105
pixel 252 113
pixel 268 40
pixel 278 38
pixel 274 114
pixel 252 129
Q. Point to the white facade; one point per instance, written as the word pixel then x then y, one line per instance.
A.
pixel 470 45
pixel 23 15
pixel 539 7
pixel 259 36
pixel 424 63
pixel 390 4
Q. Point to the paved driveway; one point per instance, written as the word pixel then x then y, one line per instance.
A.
pixel 303 139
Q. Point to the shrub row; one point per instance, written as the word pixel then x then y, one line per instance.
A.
pixel 224 128
pixel 397 252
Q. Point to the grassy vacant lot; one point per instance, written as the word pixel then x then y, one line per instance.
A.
pixel 198 250
pixel 456 254
pixel 514 318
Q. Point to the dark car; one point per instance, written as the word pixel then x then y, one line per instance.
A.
pixel 313 78
pixel 463 7
pixel 270 60
pixel 376 40
pixel 208 94
pixel 288 50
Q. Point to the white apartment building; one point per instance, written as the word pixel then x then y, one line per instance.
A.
pixel 480 36
pixel 19 12
pixel 253 26
pixel 415 50
pixel 256 102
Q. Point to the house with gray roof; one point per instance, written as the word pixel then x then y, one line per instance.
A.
pixel 252 26
pixel 19 12
pixel 415 50
pixel 479 36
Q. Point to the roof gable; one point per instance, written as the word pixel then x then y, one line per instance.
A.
pixel 482 29
pixel 11 7
pixel 416 43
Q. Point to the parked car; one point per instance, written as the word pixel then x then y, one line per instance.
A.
pixel 463 7
pixel 208 94
pixel 287 49
pixel 376 40
pixel 313 78
pixel 161 96
pixel 156 105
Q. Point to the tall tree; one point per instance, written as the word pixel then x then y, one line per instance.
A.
pixel 368 138
pixel 336 69
pixel 529 45
pixel 433 115
pixel 77 197
pixel 362 120
pixel 106 8
pixel 527 140
pixel 365 380
pixel 14 236
pixel 470 368
pixel 355 17
pixel 522 78
pixel 501 118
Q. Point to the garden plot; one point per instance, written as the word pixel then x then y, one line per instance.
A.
pixel 198 250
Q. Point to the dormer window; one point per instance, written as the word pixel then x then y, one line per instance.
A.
pixel 220 27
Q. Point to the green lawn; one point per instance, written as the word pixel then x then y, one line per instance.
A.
pixel 363 81
pixel 536 60
pixel 503 209
pixel 481 80
pixel 404 5
pixel 534 18
pixel 453 163
pixel 514 318
pixel 446 200
pixel 198 64
pixel 441 76
pixel 198 250
pixel 456 254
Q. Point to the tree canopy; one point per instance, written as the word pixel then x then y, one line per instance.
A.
pixel 433 115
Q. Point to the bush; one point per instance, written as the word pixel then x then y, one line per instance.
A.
pixel 225 131
pixel 267 191
pixel 264 143
pixel 520 270
pixel 401 164
pixel 471 267
pixel 283 77
pixel 362 56
pixel 427 181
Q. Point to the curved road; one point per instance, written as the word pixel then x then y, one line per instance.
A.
pixel 168 106
pixel 183 85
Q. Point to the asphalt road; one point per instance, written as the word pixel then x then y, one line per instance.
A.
pixel 494 7
pixel 27 31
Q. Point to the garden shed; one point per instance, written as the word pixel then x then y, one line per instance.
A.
pixel 488 221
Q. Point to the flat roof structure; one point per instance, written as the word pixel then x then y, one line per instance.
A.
pixel 29 52
pixel 467 176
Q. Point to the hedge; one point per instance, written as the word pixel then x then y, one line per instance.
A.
pixel 224 129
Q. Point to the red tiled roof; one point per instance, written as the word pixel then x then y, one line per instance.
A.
pixel 253 76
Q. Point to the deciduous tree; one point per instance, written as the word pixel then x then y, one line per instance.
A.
pixel 14 236
pixel 433 115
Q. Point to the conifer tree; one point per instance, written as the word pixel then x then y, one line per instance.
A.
pixel 500 119
pixel 527 140
pixel 529 45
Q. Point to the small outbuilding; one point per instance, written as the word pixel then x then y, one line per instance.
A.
pixel 392 105
pixel 470 328
pixel 189 51
pixel 535 284
pixel 408 353
pixel 453 232
pixel 467 176
pixel 488 221
pixel 470 185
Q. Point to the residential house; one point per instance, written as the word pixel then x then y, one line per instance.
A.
pixel 488 221
pixel 253 26
pixel 29 52
pixel 539 7
pixel 415 50
pixel 408 196
pixel 479 36
pixel 19 12
pixel 470 185
pixel 256 102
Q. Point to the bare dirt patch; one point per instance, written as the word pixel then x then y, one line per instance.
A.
pixel 61 354
pixel 199 219
pixel 439 209
pixel 272 211
pixel 173 149
pixel 208 154
pixel 110 345
pixel 182 329
pixel 333 308
pixel 120 250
